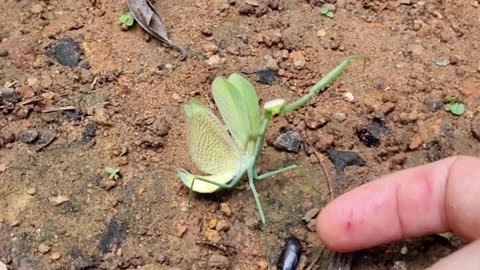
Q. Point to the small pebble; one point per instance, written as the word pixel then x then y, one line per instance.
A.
pixel 415 143
pixel 310 214
pixel 262 265
pixel 212 223
pixel 212 235
pixel 210 48
pixel 272 63
pixel 43 248
pixel 404 250
pixel 3 53
pixel 321 33
pixel 31 191
pixel 298 59
pixel 222 226
pixel 57 200
pixel 108 184
pixel 206 31
pixel 56 256
pixel 180 230
pixel 217 261
pixel 441 61
pixel 225 209
pixel 348 96
pixel 334 45
pixel 340 117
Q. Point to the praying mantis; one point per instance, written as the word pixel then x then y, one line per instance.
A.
pixel 226 153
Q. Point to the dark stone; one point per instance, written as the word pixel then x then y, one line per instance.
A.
pixel 434 151
pixel 266 76
pixel 72 116
pixel 371 136
pixel 8 95
pixel 246 10
pixel 475 127
pixel 289 141
pixel 342 159
pixel 66 52
pixel 89 133
pixel 379 83
pixel 433 104
pixel 28 136
pixel 113 237
pixel 4 53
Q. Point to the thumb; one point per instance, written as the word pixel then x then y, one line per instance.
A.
pixel 466 259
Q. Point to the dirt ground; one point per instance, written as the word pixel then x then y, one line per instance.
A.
pixel 81 94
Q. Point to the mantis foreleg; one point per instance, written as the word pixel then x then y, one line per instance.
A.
pixel 276 172
pixel 322 84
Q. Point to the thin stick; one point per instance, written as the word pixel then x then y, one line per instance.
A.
pixel 28 101
pixel 59 109
pixel 316 259
pixel 329 182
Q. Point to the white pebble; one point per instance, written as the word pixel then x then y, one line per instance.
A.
pixel 349 97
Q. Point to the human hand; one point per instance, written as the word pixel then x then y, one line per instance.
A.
pixel 434 198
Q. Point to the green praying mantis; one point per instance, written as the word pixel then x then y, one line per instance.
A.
pixel 225 154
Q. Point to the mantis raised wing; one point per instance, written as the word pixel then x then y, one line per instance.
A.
pixel 224 154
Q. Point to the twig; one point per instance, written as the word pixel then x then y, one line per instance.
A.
pixel 47 143
pixel 28 101
pixel 316 259
pixel 329 183
pixel 58 109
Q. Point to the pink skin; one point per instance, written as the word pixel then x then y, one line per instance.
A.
pixel 437 197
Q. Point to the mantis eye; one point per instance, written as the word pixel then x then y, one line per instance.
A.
pixel 274 106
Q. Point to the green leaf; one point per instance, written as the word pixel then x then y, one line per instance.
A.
pixel 330 14
pixel 127 19
pixel 324 10
pixel 113 172
pixel 456 108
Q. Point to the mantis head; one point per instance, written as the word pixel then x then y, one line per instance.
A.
pixel 274 107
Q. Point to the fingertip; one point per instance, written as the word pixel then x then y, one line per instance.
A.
pixel 329 230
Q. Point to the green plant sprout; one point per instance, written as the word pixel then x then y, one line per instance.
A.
pixel 455 106
pixel 327 12
pixel 225 154
pixel 113 173
pixel 127 20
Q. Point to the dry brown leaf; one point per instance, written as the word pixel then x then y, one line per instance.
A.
pixel 150 20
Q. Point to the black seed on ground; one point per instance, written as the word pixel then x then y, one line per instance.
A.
pixel 28 136
pixel 66 52
pixel 291 254
pixel 266 77
pixel 289 141
pixel 4 53
pixel 342 159
pixel 113 237
pixel 89 133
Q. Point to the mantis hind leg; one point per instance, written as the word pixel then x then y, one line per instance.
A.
pixel 276 172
